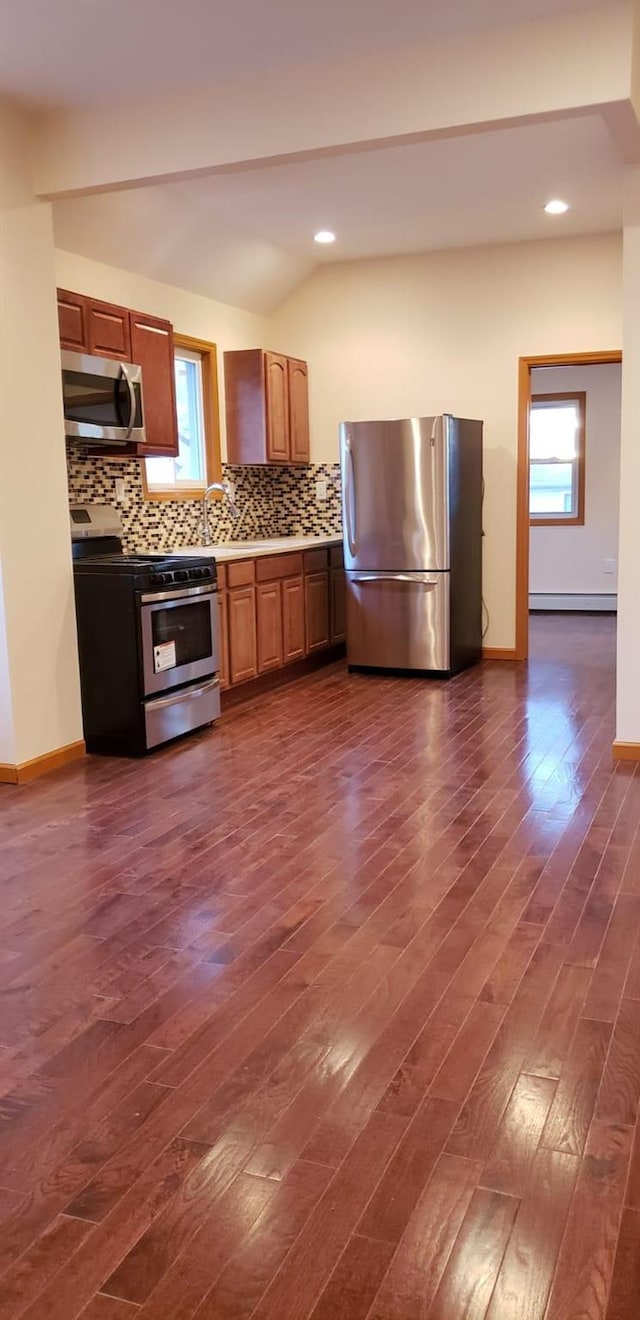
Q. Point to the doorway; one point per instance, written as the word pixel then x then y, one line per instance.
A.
pixel 569 523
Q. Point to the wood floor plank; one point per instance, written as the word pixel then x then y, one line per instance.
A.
pixel 472 1268
pixel 414 1275
pixel 509 1164
pixel 392 1205
pixel 367 1002
pixel 625 1286
pixel 619 1096
pixel 585 1263
pixel 353 1285
pixel 574 1102
pixel 248 1273
pixel 525 1275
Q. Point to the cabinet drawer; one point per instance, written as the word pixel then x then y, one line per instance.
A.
pixel 336 556
pixel 271 567
pixel 241 573
pixel 315 560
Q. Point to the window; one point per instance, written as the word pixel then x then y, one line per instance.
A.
pixel 556 459
pixel 198 461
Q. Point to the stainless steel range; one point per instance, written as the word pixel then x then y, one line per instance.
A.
pixel 147 635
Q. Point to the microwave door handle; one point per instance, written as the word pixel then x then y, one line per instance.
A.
pixel 132 399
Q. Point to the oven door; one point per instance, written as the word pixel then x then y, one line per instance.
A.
pixel 102 399
pixel 179 637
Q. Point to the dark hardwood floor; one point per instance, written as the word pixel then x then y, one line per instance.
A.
pixel 332 1013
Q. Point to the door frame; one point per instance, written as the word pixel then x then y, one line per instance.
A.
pixel 525 365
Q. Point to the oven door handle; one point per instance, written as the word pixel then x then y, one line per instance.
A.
pixel 132 399
pixel 159 703
pixel 180 593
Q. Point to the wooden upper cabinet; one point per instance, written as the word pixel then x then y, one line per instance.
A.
pixel 276 408
pixel 152 349
pixel 104 330
pixel 108 331
pixel 72 321
pixel 298 411
pixel 266 407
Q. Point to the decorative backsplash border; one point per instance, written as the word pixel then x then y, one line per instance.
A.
pixel 273 501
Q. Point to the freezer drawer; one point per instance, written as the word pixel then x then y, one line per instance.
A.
pixel 398 620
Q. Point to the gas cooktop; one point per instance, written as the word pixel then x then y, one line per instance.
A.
pixel 151 570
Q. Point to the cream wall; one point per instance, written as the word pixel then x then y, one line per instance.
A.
pixel 570 560
pixel 39 694
pixel 442 332
pixel 189 313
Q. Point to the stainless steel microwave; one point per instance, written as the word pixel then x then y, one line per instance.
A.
pixel 102 400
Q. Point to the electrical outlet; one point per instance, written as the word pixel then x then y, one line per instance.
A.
pixel 321 490
pixel 120 490
pixel 609 566
pixel 231 489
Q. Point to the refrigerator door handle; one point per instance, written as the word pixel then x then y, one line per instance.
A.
pixel 350 498
pixel 417 579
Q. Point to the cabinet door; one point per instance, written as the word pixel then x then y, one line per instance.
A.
pixel 72 320
pixel 243 650
pixel 293 635
pixel 269 618
pixel 298 411
pixel 108 331
pixel 338 606
pixel 277 407
pixel 152 349
pixel 316 587
pixel 223 639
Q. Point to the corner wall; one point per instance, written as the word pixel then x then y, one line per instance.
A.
pixel 628 672
pixel 40 692
pixel 442 332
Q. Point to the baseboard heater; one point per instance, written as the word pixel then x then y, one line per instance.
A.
pixel 606 602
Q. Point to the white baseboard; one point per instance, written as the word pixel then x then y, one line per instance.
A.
pixel 539 600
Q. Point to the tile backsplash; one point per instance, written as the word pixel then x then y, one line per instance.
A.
pixel 273 501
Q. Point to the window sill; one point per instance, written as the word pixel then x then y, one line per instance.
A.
pixel 557 522
pixel 171 493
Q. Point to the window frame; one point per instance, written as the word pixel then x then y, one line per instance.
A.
pixel 211 419
pixel 570 519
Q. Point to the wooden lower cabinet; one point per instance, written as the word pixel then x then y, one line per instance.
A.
pixel 269 625
pixel 243 641
pixel 223 639
pixel 293 633
pixel 276 610
pixel 338 605
pixel 316 588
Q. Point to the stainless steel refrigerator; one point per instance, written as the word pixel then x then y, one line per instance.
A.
pixel 412 522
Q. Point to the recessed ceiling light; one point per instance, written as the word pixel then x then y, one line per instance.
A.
pixel 324 236
pixel 556 207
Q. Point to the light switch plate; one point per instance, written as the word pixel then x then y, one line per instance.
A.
pixel 321 490
pixel 609 566
pixel 120 490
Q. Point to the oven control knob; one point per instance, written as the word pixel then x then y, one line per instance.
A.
pixel 181 575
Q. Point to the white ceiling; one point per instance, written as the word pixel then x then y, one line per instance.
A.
pixel 245 237
pixel 70 52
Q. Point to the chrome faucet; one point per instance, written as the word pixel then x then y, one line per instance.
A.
pixel 222 486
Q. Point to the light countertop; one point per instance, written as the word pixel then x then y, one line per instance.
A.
pixel 253 549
